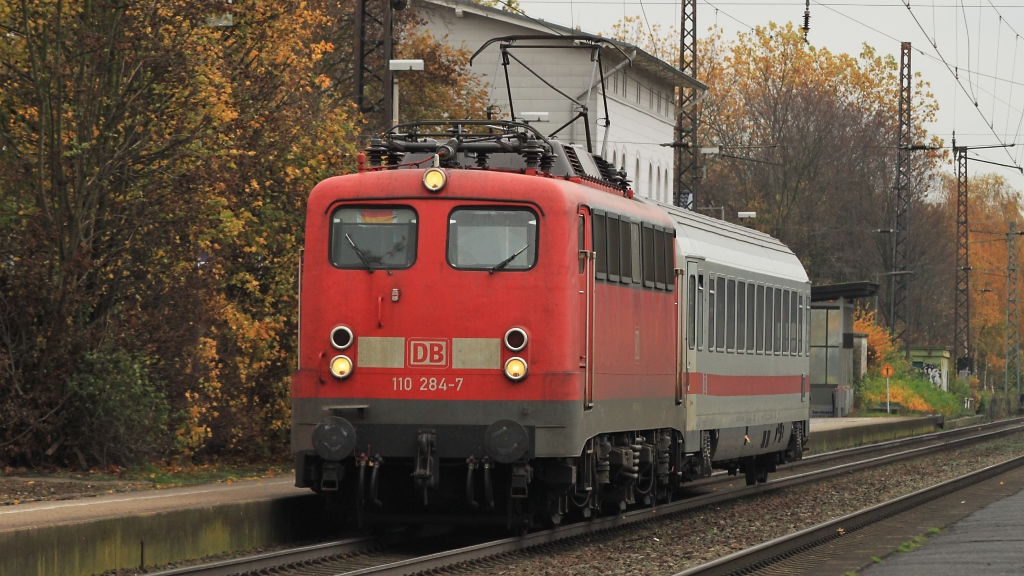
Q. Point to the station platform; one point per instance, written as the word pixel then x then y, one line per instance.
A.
pixel 157 527
pixel 988 542
pixel 828 434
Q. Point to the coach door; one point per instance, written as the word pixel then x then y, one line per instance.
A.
pixel 586 305
pixel 691 288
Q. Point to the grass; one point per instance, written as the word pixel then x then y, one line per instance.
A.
pixel 167 474
pixel 913 544
pixel 173 475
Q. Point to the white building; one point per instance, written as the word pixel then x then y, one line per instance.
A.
pixel 641 109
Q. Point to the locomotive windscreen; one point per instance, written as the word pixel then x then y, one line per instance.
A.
pixel 491 239
pixel 373 237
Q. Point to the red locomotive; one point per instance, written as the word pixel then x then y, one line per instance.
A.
pixel 492 326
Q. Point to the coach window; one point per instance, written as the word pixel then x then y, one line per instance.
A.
pixel 691 310
pixel 648 242
pixel 669 255
pixel 613 248
pixel 600 246
pixel 730 316
pixel 373 238
pixel 711 312
pixel 793 328
pixel 700 311
pixel 659 258
pixel 767 321
pixel 581 243
pixel 778 320
pixel 625 252
pixel 492 239
pixel 785 322
pixel 720 324
pixel 634 241
pixel 741 316
pixel 751 313
pixel 807 324
pixel 800 323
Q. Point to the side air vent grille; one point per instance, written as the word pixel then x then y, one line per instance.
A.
pixel 574 161
pixel 608 171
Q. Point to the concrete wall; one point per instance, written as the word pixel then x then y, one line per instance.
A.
pixel 158 539
pixel 840 438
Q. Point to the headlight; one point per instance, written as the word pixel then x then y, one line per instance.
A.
pixel 515 369
pixel 341 337
pixel 341 366
pixel 515 339
pixel 434 179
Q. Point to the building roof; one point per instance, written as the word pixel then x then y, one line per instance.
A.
pixel 730 244
pixel 849 290
pixel 641 59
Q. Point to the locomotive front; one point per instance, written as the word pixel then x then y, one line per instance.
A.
pixel 434 327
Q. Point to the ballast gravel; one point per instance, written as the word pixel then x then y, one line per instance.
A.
pixel 667 547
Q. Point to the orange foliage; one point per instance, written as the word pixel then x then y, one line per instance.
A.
pixel 879 340
pixel 899 395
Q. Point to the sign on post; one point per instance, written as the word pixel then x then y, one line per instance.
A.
pixel 887 371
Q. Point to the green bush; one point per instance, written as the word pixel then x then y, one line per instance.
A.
pixel 908 388
pixel 118 413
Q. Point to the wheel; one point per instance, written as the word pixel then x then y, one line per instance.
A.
pixel 762 475
pixel 751 472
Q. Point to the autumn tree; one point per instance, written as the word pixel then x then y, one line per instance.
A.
pixel 808 140
pixel 992 204
pixel 157 159
pixel 157 166
pixel 446 88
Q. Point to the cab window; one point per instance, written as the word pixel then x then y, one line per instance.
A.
pixel 373 238
pixel 492 239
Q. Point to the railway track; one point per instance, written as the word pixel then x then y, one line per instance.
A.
pixel 411 552
pixel 812 548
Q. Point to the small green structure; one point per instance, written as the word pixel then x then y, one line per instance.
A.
pixel 935 363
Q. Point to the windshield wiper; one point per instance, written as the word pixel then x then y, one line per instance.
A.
pixel 505 262
pixel 398 247
pixel 360 254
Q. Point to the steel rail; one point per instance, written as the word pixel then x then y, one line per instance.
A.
pixel 779 549
pixel 297 556
pixel 943 437
pixel 282 559
pixel 479 552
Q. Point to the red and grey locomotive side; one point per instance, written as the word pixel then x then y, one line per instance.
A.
pixel 509 334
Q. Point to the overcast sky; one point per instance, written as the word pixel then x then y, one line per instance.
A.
pixel 976 40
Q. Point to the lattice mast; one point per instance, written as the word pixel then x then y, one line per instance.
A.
pixel 962 304
pixel 686 113
pixel 900 312
pixel 373 49
pixel 1012 315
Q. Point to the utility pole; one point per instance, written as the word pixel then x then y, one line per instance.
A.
pixel 686 113
pixel 962 305
pixel 900 311
pixel 374 47
pixel 1012 314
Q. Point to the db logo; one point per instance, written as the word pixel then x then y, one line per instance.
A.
pixel 428 353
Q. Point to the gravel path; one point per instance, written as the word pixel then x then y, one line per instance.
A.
pixel 661 548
